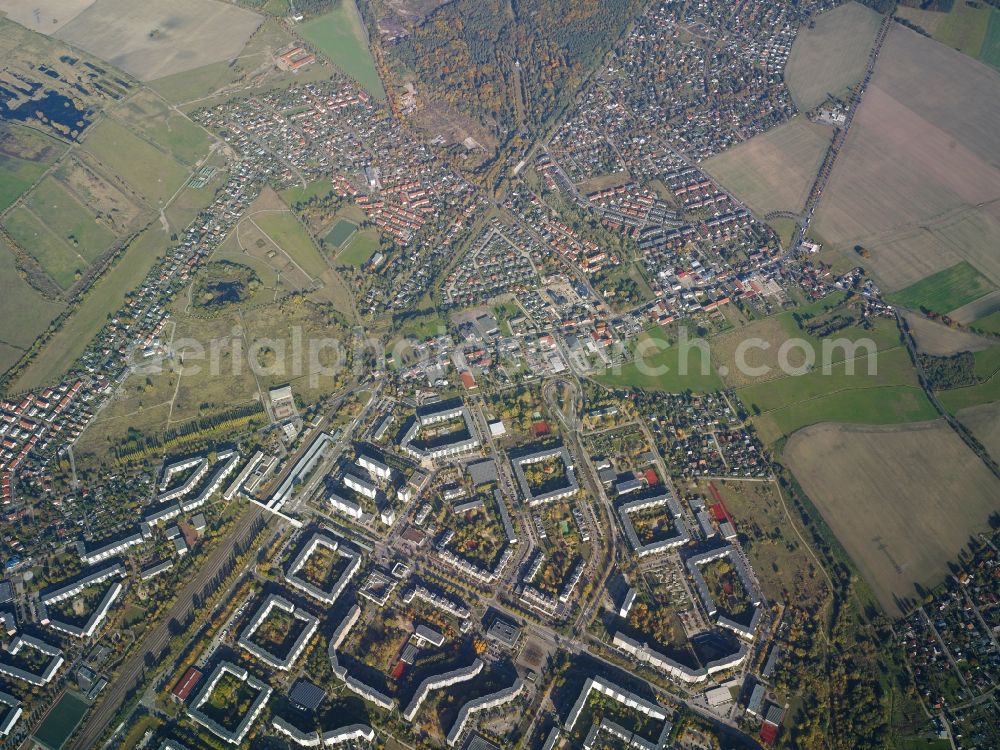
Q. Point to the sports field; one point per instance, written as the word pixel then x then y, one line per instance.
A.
pixel 649 347
pixel 360 248
pixel 341 36
pixel 831 56
pixel 917 181
pixel 946 290
pixel 902 500
pixel 61 721
pixel 340 232
pixel 774 170
pixel 156 38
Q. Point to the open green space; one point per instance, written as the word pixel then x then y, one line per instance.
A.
pixel 883 389
pixel 945 290
pixel 987 369
pixel 61 721
pixel 990 324
pixel 360 248
pixel 202 82
pixel 340 232
pixel 44 245
pixel 24 313
pixel 104 298
pixel 314 190
pixel 341 36
pixel 990 51
pixel 152 172
pixel 657 366
pixel 68 218
pixel 155 120
pixel 964 27
pixel 288 234
pixel 25 154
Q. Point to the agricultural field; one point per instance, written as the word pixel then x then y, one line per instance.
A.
pixel 971 28
pixel 987 371
pixel 882 390
pixel 774 170
pixel 71 220
pixel 984 423
pixel 752 354
pixel 153 172
pixel 158 38
pixel 940 340
pixel 60 261
pixel 24 313
pixel 945 290
pixel 917 180
pixel 105 297
pixel 989 323
pixel 831 56
pixel 256 59
pixel 25 154
pixel 891 496
pixel 341 36
pixel 672 380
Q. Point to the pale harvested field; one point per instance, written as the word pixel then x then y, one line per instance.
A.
pixel 939 340
pixel 903 501
pixel 984 423
pixel 44 16
pixel 918 181
pixel 831 56
pixel 774 170
pixel 977 309
pixel 156 38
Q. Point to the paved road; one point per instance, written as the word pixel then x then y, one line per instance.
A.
pixel 133 670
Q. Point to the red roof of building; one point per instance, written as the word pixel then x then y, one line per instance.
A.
pixel 651 478
pixel 541 427
pixel 186 684
pixel 768 733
